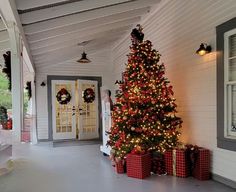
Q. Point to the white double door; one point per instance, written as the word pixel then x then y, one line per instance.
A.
pixel 76 118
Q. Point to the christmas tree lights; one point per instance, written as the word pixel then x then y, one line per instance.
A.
pixel 144 115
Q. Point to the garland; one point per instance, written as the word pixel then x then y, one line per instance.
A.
pixel 89 95
pixel 63 96
pixel 7 67
pixel 28 88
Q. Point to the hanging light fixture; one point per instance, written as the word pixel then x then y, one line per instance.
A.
pixel 83 58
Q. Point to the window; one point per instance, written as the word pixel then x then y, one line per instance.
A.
pixel 226 85
pixel 230 84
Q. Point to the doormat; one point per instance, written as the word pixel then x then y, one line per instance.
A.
pixel 65 143
pixel 7 167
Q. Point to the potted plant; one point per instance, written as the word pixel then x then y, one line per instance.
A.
pixel 3 117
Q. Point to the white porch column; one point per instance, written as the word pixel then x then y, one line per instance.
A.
pixel 33 131
pixel 17 81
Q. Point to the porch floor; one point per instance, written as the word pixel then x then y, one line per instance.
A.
pixel 83 168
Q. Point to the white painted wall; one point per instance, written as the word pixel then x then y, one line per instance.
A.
pixel 100 66
pixel 176 30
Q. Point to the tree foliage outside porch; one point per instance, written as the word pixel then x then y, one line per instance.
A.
pixel 6 96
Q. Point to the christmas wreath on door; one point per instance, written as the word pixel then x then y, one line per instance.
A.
pixel 63 96
pixel 89 95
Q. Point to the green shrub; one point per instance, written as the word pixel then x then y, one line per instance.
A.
pixel 5 94
pixel 3 115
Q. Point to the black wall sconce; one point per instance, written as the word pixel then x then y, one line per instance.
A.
pixel 119 82
pixel 203 49
pixel 43 84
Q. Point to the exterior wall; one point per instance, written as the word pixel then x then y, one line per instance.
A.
pixel 100 66
pixel 176 29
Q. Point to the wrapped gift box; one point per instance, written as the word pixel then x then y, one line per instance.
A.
pixel 138 166
pixel 169 162
pixel 201 168
pixel 120 167
pixel 158 164
pixel 176 162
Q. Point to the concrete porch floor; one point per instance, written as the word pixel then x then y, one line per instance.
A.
pixel 84 169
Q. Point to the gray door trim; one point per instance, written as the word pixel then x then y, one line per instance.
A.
pixel 49 96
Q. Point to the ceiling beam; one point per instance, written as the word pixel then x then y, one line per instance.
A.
pixel 4 35
pixel 29 4
pixel 5 45
pixel 71 43
pixel 86 16
pixel 93 45
pixel 2 25
pixel 10 15
pixel 86 24
pixel 68 54
pixel 91 54
pixel 83 33
pixel 67 9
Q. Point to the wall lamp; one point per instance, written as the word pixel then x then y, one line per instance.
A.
pixel 203 49
pixel 43 84
pixel 119 82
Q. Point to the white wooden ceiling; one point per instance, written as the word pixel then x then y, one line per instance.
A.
pixel 54 28
pixel 4 42
pixel 5 46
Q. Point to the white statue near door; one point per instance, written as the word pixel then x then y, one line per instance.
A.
pixel 107 106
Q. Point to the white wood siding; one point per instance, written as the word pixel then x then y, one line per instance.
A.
pixel 100 66
pixel 176 30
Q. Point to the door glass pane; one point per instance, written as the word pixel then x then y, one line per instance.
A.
pixel 63 111
pixel 232 69
pixel 232 45
pixel 89 112
pixel 231 110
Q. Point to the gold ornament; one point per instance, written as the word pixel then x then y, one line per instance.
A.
pixel 136 89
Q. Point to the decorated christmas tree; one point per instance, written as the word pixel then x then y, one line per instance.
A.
pixel 144 115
